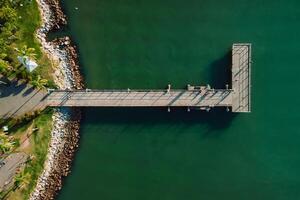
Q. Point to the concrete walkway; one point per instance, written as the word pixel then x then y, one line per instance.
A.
pixel 18 98
pixel 9 167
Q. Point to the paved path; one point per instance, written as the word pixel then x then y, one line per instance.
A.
pixel 10 167
pixel 18 98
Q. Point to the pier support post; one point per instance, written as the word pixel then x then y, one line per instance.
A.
pixel 227 109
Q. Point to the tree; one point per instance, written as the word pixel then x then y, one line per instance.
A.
pixel 39 82
pixel 5 144
pixel 21 178
pixel 8 14
pixel 26 52
pixel 8 25
pixel 4 66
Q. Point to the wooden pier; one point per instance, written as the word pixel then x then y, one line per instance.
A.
pixel 142 98
pixel 241 77
pixel 203 97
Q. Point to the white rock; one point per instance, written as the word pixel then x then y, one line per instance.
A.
pixel 63 78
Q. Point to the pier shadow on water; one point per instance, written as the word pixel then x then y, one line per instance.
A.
pixel 216 119
pixel 220 72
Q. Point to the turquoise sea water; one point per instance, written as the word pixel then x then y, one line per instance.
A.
pixel 135 154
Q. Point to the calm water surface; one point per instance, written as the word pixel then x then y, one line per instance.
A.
pixel 143 154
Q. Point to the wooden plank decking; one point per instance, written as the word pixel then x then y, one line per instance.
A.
pixel 238 98
pixel 15 102
pixel 124 98
pixel 241 77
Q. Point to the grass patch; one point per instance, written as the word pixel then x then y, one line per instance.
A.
pixel 26 22
pixel 29 22
pixel 16 32
pixel 38 148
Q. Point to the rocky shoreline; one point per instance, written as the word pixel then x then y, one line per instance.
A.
pixel 66 122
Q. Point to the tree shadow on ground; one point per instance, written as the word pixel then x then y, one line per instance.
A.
pixel 13 89
pixel 28 91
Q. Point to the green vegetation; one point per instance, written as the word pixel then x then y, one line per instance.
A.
pixel 39 83
pixel 19 20
pixel 36 131
pixel 21 178
pixel 9 141
pixel 25 51
pixel 40 140
pixel 6 144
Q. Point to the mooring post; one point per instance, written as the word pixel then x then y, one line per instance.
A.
pixel 169 88
pixel 128 90
pixel 227 86
pixel 49 90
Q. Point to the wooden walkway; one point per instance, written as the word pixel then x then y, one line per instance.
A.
pixel 241 77
pixel 142 98
pixel 17 99
pixel 203 97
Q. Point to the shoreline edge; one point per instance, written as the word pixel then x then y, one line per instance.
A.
pixel 66 121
